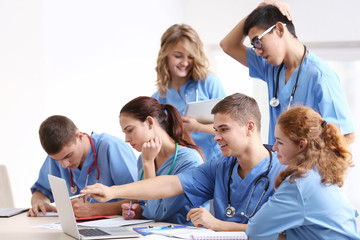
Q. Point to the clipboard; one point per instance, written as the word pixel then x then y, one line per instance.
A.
pixel 151 229
pixel 201 110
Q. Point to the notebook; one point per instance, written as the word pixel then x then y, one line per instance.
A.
pixel 201 110
pixel 9 212
pixel 68 221
pixel 220 235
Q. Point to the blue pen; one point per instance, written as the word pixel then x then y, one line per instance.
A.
pixel 129 209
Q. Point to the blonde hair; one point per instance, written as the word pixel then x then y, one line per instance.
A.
pixel 326 148
pixel 192 43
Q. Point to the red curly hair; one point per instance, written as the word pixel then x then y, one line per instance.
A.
pixel 326 148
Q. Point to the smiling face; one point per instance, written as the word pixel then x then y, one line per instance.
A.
pixel 136 132
pixel 71 155
pixel 230 136
pixel 286 149
pixel 179 61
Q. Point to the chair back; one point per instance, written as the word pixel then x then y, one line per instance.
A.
pixel 6 195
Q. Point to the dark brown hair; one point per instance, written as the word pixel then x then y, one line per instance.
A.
pixel 55 132
pixel 167 115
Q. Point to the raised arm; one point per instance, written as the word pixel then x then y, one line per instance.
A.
pixel 233 43
pixel 153 188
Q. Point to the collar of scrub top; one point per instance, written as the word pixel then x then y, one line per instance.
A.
pixel 230 210
pixel 274 102
pixel 172 165
pixel 74 188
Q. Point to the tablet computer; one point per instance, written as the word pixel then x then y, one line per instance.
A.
pixel 201 110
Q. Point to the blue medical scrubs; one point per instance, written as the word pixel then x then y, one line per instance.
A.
pixel 211 88
pixel 306 209
pixel 116 162
pixel 210 181
pixel 318 87
pixel 172 209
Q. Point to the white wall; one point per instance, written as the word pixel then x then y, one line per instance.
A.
pixel 86 58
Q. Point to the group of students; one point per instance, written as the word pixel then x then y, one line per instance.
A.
pixel 292 190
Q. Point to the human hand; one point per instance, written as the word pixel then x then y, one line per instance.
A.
pixel 82 208
pixel 190 124
pixel 282 6
pixel 201 217
pixel 135 211
pixel 40 203
pixel 99 192
pixel 151 149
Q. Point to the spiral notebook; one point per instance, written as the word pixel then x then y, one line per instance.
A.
pixel 220 236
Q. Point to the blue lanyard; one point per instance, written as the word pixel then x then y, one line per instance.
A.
pixel 173 163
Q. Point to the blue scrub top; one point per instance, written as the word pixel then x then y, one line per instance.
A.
pixel 306 209
pixel 211 88
pixel 172 209
pixel 318 88
pixel 210 181
pixel 116 162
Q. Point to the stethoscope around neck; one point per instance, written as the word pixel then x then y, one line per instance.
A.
pixel 274 102
pixel 230 210
pixel 172 165
pixel 74 188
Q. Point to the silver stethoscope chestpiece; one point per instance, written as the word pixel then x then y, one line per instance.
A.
pixel 230 211
pixel 274 102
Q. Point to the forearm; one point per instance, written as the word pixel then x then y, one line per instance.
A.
pixel 350 138
pixel 233 43
pixel 230 226
pixel 108 208
pixel 39 196
pixel 206 128
pixel 153 188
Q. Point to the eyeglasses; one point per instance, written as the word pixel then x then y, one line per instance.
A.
pixel 257 44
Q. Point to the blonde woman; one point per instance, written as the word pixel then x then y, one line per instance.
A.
pixel 183 76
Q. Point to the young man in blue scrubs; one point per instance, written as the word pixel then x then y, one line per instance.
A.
pixel 293 74
pixel 81 160
pixel 240 182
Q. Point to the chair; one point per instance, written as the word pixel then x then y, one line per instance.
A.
pixel 6 195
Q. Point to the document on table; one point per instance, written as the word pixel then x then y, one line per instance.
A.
pixel 113 222
pixel 183 233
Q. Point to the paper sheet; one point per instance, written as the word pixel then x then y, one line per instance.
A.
pixel 113 222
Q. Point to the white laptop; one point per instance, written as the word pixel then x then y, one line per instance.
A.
pixel 68 221
pixel 201 110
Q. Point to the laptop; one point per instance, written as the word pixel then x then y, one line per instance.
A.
pixel 68 221
pixel 201 110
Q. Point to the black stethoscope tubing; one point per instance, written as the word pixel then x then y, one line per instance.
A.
pixel 274 102
pixel 230 210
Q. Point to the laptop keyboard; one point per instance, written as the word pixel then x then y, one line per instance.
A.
pixel 88 232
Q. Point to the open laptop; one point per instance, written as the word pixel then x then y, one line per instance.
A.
pixel 68 221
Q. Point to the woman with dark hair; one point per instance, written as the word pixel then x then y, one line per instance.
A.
pixel 156 130
pixel 308 203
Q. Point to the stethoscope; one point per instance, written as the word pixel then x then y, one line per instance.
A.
pixel 274 102
pixel 172 165
pixel 196 91
pixel 73 187
pixel 230 210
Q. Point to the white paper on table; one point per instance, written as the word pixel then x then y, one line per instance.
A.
pixel 113 222
pixel 55 225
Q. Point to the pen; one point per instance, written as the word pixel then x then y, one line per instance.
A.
pixel 129 209
pixel 77 196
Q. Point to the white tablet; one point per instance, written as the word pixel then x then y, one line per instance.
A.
pixel 201 110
